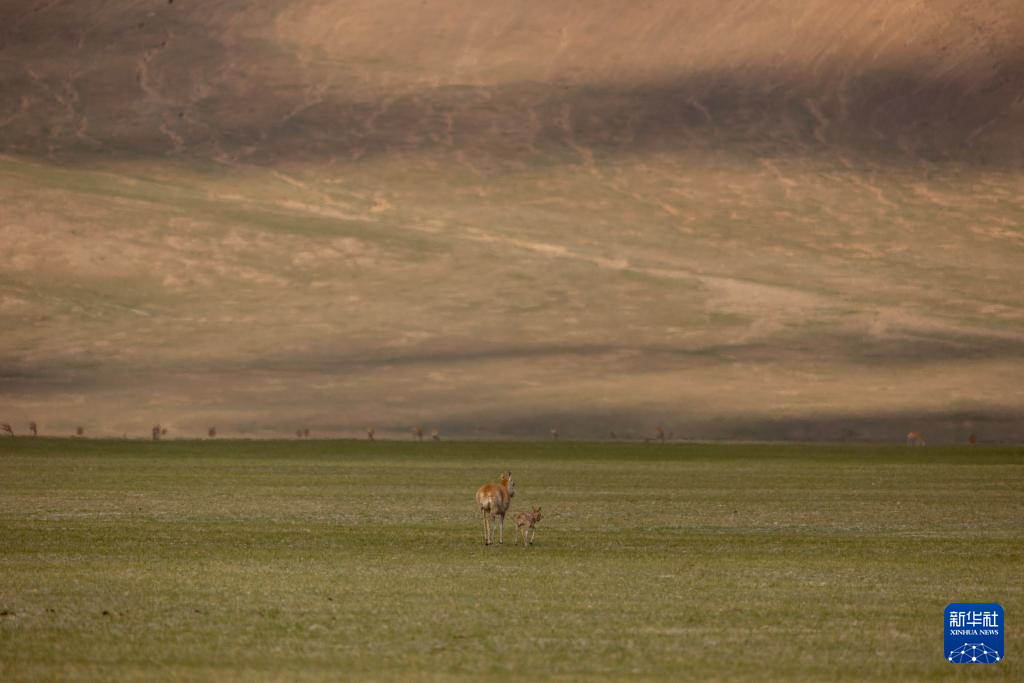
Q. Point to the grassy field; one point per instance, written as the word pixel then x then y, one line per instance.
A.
pixel 236 560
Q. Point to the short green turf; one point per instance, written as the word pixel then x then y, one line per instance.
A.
pixel 334 560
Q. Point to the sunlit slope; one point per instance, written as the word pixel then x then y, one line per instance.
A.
pixel 729 218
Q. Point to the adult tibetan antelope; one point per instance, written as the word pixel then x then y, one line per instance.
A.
pixel 915 439
pixel 494 500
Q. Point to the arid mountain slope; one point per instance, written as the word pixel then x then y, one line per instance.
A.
pixel 275 80
pixel 756 218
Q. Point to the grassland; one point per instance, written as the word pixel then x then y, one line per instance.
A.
pixel 236 560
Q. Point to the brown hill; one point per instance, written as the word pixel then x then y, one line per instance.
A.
pixel 739 218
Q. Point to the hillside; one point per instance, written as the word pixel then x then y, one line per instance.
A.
pixel 732 219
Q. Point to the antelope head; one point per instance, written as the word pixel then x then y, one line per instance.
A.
pixel 506 481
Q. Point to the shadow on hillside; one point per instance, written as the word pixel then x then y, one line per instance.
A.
pixel 940 428
pixel 166 82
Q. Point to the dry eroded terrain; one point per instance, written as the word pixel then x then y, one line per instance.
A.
pixel 734 219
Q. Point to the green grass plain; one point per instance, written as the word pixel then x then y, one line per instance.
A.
pixel 327 560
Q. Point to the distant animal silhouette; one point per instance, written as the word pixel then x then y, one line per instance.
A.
pixel 526 523
pixel 493 501
pixel 916 439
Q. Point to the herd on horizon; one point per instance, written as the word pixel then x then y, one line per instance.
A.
pixel 914 439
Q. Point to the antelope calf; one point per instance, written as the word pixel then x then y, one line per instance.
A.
pixel 915 439
pixel 493 501
pixel 526 523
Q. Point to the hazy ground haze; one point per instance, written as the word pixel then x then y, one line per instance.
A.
pixel 733 219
